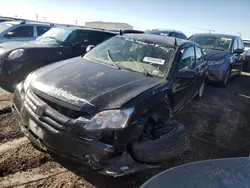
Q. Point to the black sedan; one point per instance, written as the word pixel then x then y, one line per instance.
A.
pixel 113 108
pixel 18 59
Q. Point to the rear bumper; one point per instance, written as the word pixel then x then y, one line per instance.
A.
pixel 68 144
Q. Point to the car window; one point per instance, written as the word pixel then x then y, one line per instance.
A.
pixel 199 55
pixel 235 44
pixel 82 37
pixel 173 34
pixel 42 29
pixel 240 44
pixel 22 31
pixel 179 35
pixel 187 59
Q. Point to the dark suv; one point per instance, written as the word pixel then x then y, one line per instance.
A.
pixel 17 59
pixel 113 108
pixel 224 55
pixel 167 32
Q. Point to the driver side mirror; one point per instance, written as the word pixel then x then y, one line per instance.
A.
pixel 238 51
pixel 90 47
pixel 186 74
pixel 204 52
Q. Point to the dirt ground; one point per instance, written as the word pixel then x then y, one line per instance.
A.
pixel 218 126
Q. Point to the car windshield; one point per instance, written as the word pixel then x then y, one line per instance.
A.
pixel 212 42
pixel 57 36
pixel 4 26
pixel 133 55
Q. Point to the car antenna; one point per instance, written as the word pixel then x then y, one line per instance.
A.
pixel 175 41
pixel 120 32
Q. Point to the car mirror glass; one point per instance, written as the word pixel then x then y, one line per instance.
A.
pixel 90 47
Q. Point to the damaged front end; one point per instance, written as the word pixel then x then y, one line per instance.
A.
pixel 86 139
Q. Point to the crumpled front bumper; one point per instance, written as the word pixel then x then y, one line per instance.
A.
pixel 216 73
pixel 68 144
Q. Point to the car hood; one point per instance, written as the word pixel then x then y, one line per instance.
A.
pixel 215 55
pixel 87 84
pixel 8 46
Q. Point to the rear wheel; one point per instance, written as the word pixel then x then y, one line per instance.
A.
pixel 162 144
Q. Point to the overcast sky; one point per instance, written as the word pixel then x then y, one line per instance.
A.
pixel 190 16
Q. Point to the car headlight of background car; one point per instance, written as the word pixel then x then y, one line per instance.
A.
pixel 109 120
pixel 16 54
pixel 216 62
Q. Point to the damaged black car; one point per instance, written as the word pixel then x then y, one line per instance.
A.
pixel 113 108
pixel 18 59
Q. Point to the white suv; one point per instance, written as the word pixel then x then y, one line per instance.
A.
pixel 22 30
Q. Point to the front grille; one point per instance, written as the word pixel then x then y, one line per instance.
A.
pixel 73 114
pixel 49 119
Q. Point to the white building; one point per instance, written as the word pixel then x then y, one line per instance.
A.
pixel 108 25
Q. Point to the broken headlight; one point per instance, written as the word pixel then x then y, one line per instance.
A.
pixel 109 120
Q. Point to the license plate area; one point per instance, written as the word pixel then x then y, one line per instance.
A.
pixel 36 129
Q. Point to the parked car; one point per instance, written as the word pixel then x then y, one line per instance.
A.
pixel 113 108
pixel 22 30
pixel 18 59
pixel 167 32
pixel 246 56
pixel 224 55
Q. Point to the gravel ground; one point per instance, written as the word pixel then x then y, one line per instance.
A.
pixel 218 126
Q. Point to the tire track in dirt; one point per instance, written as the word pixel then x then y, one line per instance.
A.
pixel 21 158
pixel 13 144
pixel 32 176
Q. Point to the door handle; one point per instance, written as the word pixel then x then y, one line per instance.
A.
pixel 58 53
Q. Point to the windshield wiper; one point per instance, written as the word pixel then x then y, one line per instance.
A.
pixel 111 59
pixel 145 71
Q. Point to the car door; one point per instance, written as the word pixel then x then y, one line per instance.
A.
pixel 183 89
pixel 239 59
pixel 201 67
pixel 235 57
pixel 21 33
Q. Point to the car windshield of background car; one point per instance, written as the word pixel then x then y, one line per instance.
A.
pixel 55 35
pixel 133 55
pixel 158 32
pixel 213 42
pixel 5 26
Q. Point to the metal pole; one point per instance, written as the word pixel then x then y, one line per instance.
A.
pixel 76 22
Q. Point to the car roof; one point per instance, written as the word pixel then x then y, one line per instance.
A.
pixel 158 39
pixel 85 29
pixel 16 22
pixel 167 30
pixel 215 34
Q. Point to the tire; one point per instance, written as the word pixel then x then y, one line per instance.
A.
pixel 167 146
pixel 223 83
